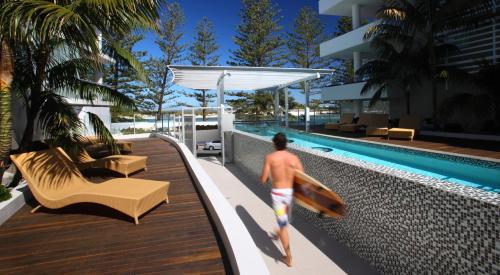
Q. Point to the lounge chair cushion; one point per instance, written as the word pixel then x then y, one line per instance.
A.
pixel 401 133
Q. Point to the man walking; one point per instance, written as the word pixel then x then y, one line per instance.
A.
pixel 281 165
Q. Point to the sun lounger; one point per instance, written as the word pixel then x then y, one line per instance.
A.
pixel 377 125
pixel 344 119
pixel 56 182
pixel 92 144
pixel 364 120
pixel 407 127
pixel 123 164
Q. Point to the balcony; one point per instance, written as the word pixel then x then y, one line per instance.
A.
pixel 343 46
pixel 344 7
pixel 346 92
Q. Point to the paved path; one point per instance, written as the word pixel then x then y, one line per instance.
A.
pixel 312 251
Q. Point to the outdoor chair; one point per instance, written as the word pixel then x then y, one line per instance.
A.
pixel 123 164
pixel 408 125
pixel 56 182
pixel 344 119
pixel 93 145
pixel 377 125
pixel 363 121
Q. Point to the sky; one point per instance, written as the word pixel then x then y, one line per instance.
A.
pixel 225 16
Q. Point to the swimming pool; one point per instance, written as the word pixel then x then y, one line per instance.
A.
pixel 471 172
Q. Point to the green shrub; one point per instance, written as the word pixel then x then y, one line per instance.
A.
pixel 4 193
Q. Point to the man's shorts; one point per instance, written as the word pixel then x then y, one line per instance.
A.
pixel 282 205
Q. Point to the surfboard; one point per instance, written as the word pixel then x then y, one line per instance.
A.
pixel 315 196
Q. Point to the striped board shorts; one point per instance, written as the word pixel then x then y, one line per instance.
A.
pixel 282 205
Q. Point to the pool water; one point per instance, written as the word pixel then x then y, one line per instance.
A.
pixel 485 177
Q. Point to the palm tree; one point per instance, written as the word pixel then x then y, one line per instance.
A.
pixel 5 110
pixel 56 51
pixel 419 27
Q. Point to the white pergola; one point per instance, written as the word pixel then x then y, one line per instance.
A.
pixel 221 78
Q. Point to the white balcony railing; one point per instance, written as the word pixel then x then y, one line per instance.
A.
pixel 343 46
pixel 346 92
pixel 344 7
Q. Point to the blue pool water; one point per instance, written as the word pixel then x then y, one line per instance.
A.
pixel 485 177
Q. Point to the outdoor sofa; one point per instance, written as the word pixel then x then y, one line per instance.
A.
pixel 344 119
pixel 56 182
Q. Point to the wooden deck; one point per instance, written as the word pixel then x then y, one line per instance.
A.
pixel 488 149
pixel 89 239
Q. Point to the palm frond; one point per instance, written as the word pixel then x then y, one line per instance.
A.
pixel 131 60
pixel 59 122
pixel 102 133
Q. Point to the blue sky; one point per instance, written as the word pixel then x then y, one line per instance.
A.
pixel 225 16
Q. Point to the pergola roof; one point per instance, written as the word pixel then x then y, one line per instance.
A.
pixel 241 78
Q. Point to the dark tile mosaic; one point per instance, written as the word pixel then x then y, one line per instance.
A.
pixel 397 221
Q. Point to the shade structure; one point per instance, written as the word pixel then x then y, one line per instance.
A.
pixel 241 78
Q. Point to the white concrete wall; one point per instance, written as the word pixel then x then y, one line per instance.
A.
pixel 103 112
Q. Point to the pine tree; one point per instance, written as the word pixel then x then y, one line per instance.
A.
pixel 119 75
pixel 344 25
pixel 169 41
pixel 202 52
pixel 155 94
pixel 303 41
pixel 258 39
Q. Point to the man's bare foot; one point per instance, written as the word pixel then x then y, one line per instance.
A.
pixel 287 260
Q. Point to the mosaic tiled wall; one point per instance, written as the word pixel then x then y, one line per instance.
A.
pixel 397 221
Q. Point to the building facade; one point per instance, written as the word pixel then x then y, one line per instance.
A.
pixel 476 46
pixel 81 107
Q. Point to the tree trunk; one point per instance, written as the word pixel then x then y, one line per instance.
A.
pixel 6 69
pixel 204 104
pixel 35 98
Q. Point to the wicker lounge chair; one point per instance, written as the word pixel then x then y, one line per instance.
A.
pixel 92 144
pixel 407 127
pixel 123 164
pixel 377 125
pixel 364 120
pixel 56 182
pixel 344 119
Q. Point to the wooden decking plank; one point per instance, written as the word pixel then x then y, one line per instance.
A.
pixel 86 238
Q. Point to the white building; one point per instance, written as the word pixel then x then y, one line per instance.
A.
pixel 479 44
pixel 81 107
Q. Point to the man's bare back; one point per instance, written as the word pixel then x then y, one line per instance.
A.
pixel 281 165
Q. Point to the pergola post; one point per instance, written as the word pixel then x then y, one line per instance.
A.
pixel 285 89
pixel 220 95
pixel 306 111
pixel 277 105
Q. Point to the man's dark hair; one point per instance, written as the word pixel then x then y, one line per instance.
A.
pixel 280 141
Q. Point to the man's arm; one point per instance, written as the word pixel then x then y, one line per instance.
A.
pixel 266 169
